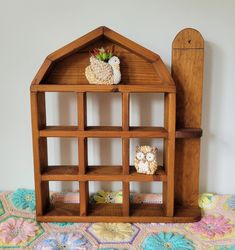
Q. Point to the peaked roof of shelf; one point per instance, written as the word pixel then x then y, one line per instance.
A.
pixel 139 66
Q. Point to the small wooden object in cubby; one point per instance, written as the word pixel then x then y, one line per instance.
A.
pixel 142 72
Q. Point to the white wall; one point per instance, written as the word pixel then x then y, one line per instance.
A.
pixel 30 30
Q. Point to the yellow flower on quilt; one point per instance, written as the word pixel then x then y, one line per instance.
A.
pixel 113 231
pixel 108 197
pixel 206 200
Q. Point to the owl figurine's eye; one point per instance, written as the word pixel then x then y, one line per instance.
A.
pixel 140 156
pixel 150 156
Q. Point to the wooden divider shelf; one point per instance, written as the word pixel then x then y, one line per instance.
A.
pixel 142 72
pixel 99 173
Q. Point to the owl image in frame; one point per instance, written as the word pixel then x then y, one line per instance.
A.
pixel 146 159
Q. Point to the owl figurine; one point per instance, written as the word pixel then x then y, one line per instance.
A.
pixel 146 159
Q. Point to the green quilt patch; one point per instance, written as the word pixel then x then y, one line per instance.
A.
pixel 2 211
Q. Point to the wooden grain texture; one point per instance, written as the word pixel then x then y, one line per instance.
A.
pixel 107 212
pixel 38 115
pixel 125 155
pixel 100 173
pixel 188 38
pixel 104 131
pixel 169 153
pixel 128 87
pixel 60 173
pixel 82 153
pixel 111 131
pixel 188 133
pixel 163 72
pixel 142 72
pixel 187 72
pixel 82 111
pixel 187 164
pixel 125 110
pixel 71 70
pixel 84 197
pixel 125 198
pixel 138 64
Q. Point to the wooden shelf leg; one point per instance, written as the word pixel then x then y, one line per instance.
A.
pixel 38 111
pixel 125 198
pixel 169 154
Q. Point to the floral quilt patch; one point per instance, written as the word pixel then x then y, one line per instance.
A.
pixel 20 230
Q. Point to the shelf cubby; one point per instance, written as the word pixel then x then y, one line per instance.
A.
pixel 143 72
pixel 146 110
pixel 99 110
pixel 61 109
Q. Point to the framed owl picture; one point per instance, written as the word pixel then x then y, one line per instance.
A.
pixel 146 159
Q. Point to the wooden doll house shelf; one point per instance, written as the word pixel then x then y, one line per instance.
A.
pixel 142 72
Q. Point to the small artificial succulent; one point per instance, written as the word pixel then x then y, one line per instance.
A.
pixel 102 54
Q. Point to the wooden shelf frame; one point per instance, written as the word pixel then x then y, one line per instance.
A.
pixel 181 134
pixel 125 173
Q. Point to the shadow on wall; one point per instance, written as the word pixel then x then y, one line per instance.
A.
pixel 211 51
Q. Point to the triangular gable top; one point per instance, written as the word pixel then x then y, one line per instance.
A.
pixel 152 60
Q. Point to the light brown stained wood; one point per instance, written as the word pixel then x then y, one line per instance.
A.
pixel 67 65
pixel 169 153
pixel 99 173
pixel 108 131
pixel 125 111
pixel 84 197
pixel 163 72
pixel 83 185
pixel 125 141
pixel 142 72
pixel 82 153
pixel 188 133
pixel 187 72
pixel 38 112
pixel 187 175
pixel 188 39
pixel 134 69
pixel 82 111
pixel 104 131
pixel 60 212
pixel 125 155
pixel 135 88
pixel 125 198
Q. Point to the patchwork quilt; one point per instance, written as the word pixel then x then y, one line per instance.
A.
pixel 20 230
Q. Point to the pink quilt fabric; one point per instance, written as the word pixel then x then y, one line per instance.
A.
pixel 19 230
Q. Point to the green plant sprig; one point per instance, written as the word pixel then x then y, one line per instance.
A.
pixel 102 54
